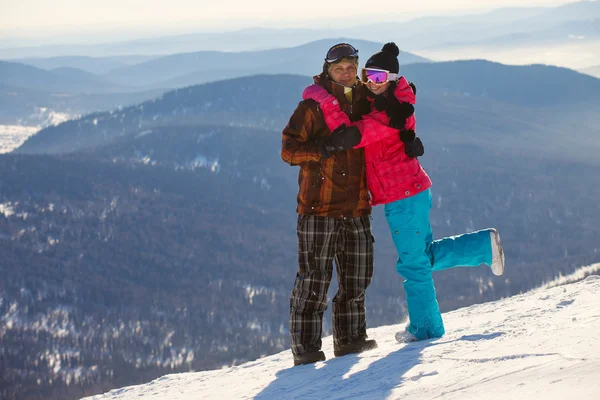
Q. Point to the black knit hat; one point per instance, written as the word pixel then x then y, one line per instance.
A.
pixel 386 59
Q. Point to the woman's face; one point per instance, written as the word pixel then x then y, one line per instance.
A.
pixel 378 89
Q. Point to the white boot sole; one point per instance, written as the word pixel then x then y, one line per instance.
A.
pixel 497 254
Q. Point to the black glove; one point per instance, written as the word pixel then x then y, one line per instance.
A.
pixel 413 147
pixel 341 139
pixel 380 103
pixel 414 88
pixel 398 122
pixel 398 111
pixel 407 135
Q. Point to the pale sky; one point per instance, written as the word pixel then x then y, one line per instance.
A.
pixel 29 17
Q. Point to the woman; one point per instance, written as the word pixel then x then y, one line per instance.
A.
pixel 397 180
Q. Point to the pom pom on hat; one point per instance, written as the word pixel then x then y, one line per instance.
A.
pixel 386 59
pixel 391 48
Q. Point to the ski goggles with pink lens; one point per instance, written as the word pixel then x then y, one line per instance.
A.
pixel 377 76
pixel 339 51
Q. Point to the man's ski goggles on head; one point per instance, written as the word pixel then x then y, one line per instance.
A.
pixel 339 51
pixel 377 76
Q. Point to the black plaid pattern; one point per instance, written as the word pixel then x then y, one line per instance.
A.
pixel 320 241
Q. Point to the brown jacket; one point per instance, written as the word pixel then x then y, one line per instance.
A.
pixel 335 187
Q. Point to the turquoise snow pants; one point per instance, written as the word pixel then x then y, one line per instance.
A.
pixel 419 255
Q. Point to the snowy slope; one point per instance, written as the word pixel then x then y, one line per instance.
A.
pixel 12 136
pixel 542 343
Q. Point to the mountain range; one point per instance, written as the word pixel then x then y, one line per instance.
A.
pixel 176 70
pixel 31 107
pixel 94 65
pixel 199 67
pixel 71 90
pixel 130 72
pixel 446 90
pixel 411 34
pixel 594 71
pixel 69 80
pixel 586 31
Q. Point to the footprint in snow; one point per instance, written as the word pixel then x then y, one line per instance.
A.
pixel 565 303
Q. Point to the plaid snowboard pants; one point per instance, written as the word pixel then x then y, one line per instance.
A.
pixel 320 241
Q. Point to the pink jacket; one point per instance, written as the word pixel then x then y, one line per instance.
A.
pixel 391 174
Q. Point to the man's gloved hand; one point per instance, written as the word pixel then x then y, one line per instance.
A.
pixel 326 148
pixel 345 138
pixel 341 139
pixel 413 147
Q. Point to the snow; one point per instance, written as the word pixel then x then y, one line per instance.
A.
pixel 576 276
pixel 201 161
pixel 12 136
pixel 541 343
pixel 144 133
pixel 6 209
pixel 50 118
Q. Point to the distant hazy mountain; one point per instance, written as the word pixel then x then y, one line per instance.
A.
pixel 535 85
pixel 136 81
pixel 192 68
pixel 428 32
pixel 64 81
pixel 95 65
pixel 594 71
pixel 76 74
pixel 30 107
pixel 29 94
pixel 572 32
pixel 582 10
pixel 249 39
pixel 410 35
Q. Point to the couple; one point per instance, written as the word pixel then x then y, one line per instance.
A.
pixel 356 146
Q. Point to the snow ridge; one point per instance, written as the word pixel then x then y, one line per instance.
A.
pixel 545 342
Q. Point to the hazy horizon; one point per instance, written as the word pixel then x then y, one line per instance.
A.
pixel 26 23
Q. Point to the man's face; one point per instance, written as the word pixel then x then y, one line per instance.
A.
pixel 344 73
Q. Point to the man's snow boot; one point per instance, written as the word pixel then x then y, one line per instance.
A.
pixel 356 346
pixel 309 357
pixel 497 253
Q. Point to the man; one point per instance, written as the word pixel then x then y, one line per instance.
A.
pixel 333 216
